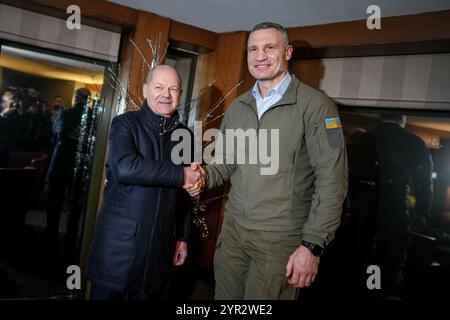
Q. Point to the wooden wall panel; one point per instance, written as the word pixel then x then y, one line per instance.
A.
pixel 149 26
pixel 204 75
pixel 416 27
pixel 197 37
pixel 230 61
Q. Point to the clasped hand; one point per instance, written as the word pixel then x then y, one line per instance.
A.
pixel 194 179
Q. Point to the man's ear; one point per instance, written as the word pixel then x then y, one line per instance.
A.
pixel 289 50
pixel 144 90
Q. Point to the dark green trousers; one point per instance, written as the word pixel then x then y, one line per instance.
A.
pixel 251 264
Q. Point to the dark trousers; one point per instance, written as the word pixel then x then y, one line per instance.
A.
pixel 102 293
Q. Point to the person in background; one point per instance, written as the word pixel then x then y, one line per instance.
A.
pixel 57 105
pixel 7 102
pixel 389 164
pixel 60 174
pixel 35 125
pixel 9 118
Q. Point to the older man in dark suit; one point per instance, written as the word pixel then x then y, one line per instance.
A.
pixel 144 222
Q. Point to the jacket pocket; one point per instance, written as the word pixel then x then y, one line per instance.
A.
pixel 112 248
pixel 120 224
pixel 335 138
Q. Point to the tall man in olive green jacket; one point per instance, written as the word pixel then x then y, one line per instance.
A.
pixel 277 226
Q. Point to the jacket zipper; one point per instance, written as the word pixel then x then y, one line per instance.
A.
pixel 315 129
pixel 144 288
pixel 248 178
pixel 258 126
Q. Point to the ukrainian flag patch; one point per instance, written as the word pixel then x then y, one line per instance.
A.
pixel 333 123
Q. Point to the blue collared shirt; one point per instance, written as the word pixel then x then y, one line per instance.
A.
pixel 274 95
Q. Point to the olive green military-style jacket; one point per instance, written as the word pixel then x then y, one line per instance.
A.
pixel 306 193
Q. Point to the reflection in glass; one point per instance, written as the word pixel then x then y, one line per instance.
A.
pixel 48 121
pixel 396 214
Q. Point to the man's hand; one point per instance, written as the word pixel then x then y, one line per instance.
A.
pixel 190 177
pixel 199 174
pixel 180 253
pixel 302 267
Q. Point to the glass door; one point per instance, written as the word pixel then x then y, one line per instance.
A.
pixel 52 108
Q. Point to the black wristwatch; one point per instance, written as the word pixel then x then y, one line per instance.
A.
pixel 315 249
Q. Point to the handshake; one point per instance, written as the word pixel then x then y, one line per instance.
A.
pixel 194 179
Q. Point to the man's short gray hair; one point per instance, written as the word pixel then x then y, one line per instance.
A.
pixel 152 71
pixel 270 25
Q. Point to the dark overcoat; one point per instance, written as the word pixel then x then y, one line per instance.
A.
pixel 145 210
